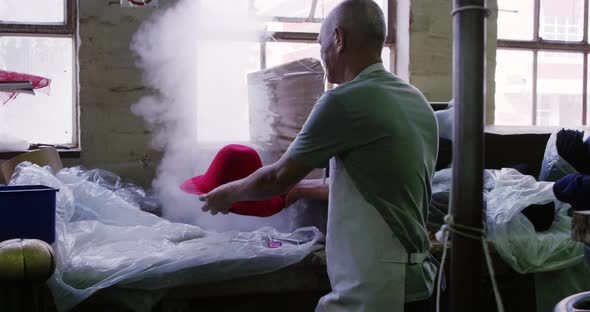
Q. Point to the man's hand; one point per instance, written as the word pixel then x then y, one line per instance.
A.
pixel 217 201
pixel 264 183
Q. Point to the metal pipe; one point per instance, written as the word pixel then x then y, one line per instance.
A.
pixel 467 186
pixel 535 77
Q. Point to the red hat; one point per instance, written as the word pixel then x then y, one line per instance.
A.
pixel 234 162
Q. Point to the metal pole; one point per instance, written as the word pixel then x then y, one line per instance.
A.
pixel 467 185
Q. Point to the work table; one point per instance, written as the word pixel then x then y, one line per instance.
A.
pixel 295 288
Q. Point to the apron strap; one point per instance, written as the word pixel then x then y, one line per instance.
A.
pixel 409 258
pixel 414 258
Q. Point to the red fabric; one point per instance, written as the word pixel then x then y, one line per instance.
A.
pixel 234 162
pixel 38 83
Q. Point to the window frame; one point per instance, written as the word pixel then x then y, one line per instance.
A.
pixel 538 44
pixel 67 29
pixel 310 37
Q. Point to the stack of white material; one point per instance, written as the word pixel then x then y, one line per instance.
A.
pixel 280 100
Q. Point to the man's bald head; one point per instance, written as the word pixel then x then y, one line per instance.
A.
pixel 351 39
pixel 362 21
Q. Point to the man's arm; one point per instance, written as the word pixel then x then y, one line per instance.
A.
pixel 266 182
pixel 309 189
pixel 326 133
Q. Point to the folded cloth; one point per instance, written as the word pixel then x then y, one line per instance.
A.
pixel 541 216
pixel 234 162
pixel 574 189
pixel 571 147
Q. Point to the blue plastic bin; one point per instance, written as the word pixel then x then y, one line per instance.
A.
pixel 27 211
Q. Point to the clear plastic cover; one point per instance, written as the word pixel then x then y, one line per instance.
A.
pixel 103 238
pixel 507 193
pixel 554 167
pixel 441 195
pixel 514 236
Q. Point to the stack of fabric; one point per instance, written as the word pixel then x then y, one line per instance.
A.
pixel 574 188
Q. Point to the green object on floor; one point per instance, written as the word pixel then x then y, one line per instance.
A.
pixel 25 261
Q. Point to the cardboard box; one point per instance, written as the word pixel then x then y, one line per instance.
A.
pixel 43 157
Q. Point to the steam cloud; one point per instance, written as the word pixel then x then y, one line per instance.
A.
pixel 196 55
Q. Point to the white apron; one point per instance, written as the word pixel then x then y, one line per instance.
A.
pixel 366 262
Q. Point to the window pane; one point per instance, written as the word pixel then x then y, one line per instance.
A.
pixel 559 89
pixel 32 11
pixel 222 91
pixel 289 8
pixel 515 19
pixel 386 57
pixel 41 118
pixel 566 18
pixel 514 88
pixel 278 53
pixel 293 13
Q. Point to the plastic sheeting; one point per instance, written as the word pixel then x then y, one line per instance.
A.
pixel 103 238
pixel 441 188
pixel 513 234
pixel 572 280
pixel 507 193
pixel 554 167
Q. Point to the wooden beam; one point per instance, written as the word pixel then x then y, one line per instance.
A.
pixel 543 45
pixel 68 27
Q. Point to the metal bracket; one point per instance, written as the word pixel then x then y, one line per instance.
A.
pixel 472 7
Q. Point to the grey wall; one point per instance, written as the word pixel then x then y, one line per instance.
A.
pixel 114 139
pixel 430 50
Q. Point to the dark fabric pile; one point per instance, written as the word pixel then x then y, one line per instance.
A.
pixel 541 216
pixel 572 148
pixel 574 189
pixel 445 153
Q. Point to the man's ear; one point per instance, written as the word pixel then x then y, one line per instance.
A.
pixel 339 39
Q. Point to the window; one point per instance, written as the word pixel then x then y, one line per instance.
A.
pixel 564 28
pixel 542 57
pixel 292 28
pixel 39 38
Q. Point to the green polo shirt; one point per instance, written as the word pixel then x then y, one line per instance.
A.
pixel 386 134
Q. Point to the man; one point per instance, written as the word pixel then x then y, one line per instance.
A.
pixel 380 136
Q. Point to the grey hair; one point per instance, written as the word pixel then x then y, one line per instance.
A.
pixel 363 19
